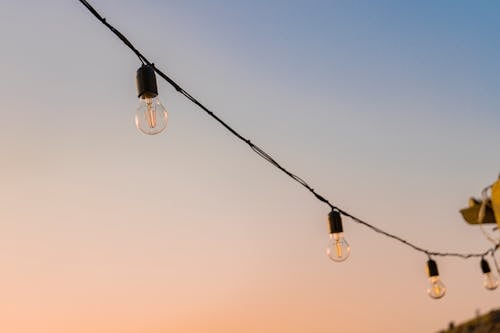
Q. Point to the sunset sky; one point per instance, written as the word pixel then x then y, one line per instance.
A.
pixel 389 109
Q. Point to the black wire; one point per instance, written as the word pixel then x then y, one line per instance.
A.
pixel 263 154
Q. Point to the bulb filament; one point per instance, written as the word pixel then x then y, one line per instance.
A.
pixel 338 245
pixel 437 289
pixel 150 113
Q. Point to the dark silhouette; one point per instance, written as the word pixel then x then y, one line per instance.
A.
pixel 488 323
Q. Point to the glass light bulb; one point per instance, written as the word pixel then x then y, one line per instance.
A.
pixel 151 116
pixel 437 289
pixel 490 281
pixel 338 249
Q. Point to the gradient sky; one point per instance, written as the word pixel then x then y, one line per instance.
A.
pixel 390 109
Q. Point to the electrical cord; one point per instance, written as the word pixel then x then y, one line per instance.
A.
pixel 266 156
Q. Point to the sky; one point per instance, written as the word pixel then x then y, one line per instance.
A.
pixel 389 109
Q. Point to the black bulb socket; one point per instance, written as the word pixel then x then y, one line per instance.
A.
pixel 485 267
pixel 432 268
pixel 335 222
pixel 146 82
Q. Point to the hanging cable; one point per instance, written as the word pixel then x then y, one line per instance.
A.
pixel 266 156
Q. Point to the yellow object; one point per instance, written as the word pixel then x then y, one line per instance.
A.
pixel 495 200
pixel 471 213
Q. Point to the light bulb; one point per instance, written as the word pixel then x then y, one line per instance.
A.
pixel 151 116
pixel 338 249
pixel 436 289
pixel 490 280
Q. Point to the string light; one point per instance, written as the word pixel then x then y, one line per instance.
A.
pixel 338 249
pixel 490 281
pixel 151 116
pixel 152 122
pixel 437 288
